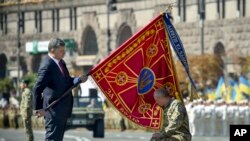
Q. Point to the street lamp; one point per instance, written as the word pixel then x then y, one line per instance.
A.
pixel 110 7
pixel 18 45
pixel 201 4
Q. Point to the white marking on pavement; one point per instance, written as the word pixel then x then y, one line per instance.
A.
pixel 77 138
pixel 142 138
pixel 118 135
pixel 129 137
pixel 73 137
pixel 2 139
pixel 85 139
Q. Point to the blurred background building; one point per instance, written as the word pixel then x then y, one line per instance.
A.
pixel 93 28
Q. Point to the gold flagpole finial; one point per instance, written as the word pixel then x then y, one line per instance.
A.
pixel 170 6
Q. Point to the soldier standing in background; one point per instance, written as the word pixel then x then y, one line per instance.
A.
pixel 26 109
pixel 193 118
pixel 218 120
pixel 1 117
pixel 209 114
pixel 225 127
pixel 247 118
pixel 200 118
pixel 235 110
pixel 12 116
pixel 241 112
pixel 247 113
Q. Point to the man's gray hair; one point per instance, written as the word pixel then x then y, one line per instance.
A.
pixel 161 92
pixel 55 43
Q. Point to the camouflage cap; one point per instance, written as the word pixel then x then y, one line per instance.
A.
pixel 25 81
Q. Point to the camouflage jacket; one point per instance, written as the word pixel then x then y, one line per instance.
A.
pixel 176 123
pixel 26 103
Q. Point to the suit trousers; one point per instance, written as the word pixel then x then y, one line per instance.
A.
pixel 55 128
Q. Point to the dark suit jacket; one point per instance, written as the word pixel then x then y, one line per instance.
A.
pixel 51 85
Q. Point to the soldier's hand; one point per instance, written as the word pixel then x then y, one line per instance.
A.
pixel 40 113
pixel 84 78
pixel 156 135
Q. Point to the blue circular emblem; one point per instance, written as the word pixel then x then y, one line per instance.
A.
pixel 146 80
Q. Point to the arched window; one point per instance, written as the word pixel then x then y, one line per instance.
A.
pixel 219 49
pixel 89 45
pixel 124 33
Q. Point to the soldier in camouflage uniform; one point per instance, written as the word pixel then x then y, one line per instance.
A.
pixel 176 124
pixel 1 117
pixel 26 109
pixel 12 116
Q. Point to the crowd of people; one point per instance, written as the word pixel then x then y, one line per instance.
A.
pixel 9 109
pixel 213 118
pixel 206 117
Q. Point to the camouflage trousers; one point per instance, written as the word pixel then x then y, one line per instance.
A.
pixel 28 128
pixel 167 139
pixel 172 138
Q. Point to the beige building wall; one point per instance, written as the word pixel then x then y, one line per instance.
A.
pixel 12 24
pixel 231 10
pixel 247 8
pixel 192 11
pixel 64 20
pixel 29 23
pixel 232 31
pixel 47 22
pixel 142 19
pixel 211 12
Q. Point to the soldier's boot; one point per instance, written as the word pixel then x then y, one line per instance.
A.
pixel 31 138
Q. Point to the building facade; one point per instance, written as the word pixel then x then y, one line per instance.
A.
pixel 99 26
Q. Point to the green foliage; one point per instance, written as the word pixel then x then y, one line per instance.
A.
pixel 6 85
pixel 31 77
pixel 245 65
pixel 202 67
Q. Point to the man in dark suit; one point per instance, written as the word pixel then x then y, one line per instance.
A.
pixel 53 80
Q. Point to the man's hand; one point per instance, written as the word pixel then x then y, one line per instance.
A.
pixel 83 78
pixel 155 136
pixel 40 113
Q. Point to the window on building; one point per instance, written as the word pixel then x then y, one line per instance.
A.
pixel 38 21
pixel 182 10
pixel 202 8
pixel 3 23
pixel 221 7
pixel 55 19
pixel 73 18
pixel 241 8
pixel 22 22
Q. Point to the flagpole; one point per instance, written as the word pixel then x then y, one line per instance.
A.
pixel 202 17
pixel 225 73
pixel 18 46
pixel 108 26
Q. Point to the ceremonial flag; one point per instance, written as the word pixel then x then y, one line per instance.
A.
pixel 211 95
pixel 244 85
pixel 233 93
pixel 129 76
pixel 221 89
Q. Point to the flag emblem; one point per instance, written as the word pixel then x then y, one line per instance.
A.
pixel 146 80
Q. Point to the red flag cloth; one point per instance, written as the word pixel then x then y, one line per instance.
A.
pixel 129 76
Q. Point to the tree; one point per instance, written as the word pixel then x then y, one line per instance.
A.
pixel 202 67
pixel 6 85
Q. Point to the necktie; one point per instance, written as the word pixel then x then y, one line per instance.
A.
pixel 61 68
